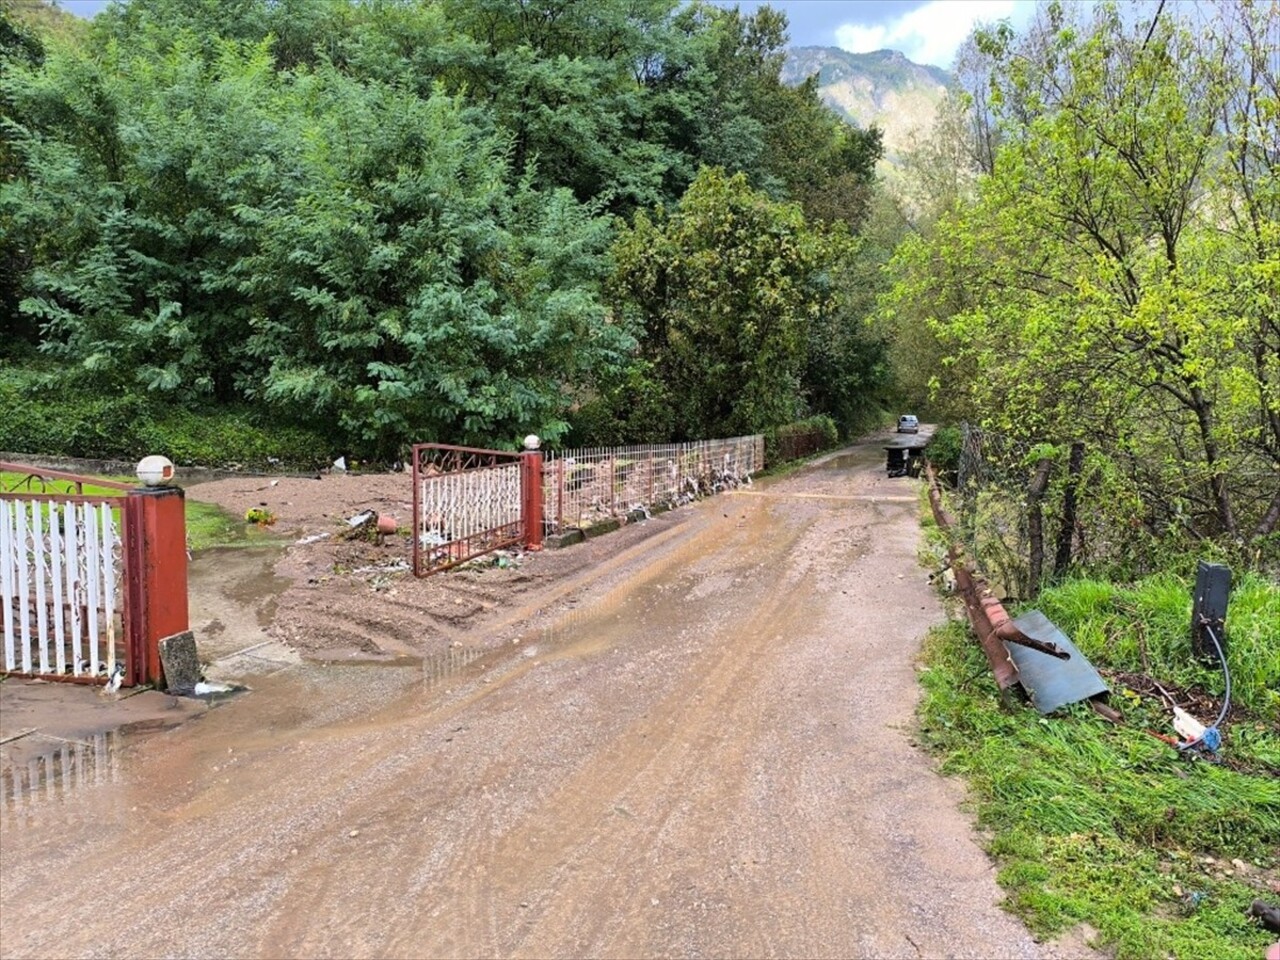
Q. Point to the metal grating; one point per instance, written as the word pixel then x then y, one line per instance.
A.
pixel 467 502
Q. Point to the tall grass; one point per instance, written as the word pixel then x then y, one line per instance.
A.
pixel 1146 627
pixel 1105 824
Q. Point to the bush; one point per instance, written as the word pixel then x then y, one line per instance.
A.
pixel 944 451
pixel 43 419
pixel 791 441
pixel 233 438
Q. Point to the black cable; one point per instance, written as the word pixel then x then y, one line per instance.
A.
pixel 1226 695
pixel 1226 673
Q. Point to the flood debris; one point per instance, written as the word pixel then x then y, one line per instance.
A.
pixel 987 615
pixel 366 518
pixel 114 680
pixel 1052 683
pixel 206 688
pixel 399 565
pixel 1266 914
pixel 1029 652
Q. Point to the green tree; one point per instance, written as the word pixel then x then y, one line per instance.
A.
pixel 724 290
pixel 1088 283
pixel 412 289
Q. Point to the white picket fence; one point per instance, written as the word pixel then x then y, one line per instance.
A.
pixel 61 573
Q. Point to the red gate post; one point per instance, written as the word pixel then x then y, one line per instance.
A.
pixel 531 492
pixel 157 594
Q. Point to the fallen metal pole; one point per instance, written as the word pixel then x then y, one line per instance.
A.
pixel 987 615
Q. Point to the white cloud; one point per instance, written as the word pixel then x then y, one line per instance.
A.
pixel 931 33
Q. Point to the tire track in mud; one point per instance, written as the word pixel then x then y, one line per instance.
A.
pixel 555 818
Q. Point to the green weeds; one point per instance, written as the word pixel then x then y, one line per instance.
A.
pixel 1105 824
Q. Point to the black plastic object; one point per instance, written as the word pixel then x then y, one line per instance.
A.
pixel 902 460
pixel 1209 606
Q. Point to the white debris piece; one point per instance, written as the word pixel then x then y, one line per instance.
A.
pixel 203 688
pixel 117 678
pixel 362 519
pixel 1187 725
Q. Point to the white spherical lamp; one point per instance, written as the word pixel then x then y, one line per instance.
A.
pixel 155 471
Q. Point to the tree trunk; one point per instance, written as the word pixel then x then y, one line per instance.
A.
pixel 1035 521
pixel 1270 518
pixel 1217 479
pixel 1075 465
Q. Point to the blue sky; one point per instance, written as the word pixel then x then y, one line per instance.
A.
pixel 927 31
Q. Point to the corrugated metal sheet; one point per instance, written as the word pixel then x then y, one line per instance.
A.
pixel 1052 683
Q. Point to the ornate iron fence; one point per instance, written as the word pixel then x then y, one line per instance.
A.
pixel 466 502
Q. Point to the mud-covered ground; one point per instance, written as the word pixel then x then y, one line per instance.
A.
pixel 692 737
pixel 352 598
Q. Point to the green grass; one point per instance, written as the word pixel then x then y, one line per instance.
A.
pixel 208 526
pixel 1104 824
pixel 1125 627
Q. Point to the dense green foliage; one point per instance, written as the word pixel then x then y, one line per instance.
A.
pixel 1106 825
pixel 394 221
pixel 725 288
pixel 61 423
pixel 800 439
pixel 1106 272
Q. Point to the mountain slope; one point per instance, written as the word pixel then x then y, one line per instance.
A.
pixel 884 88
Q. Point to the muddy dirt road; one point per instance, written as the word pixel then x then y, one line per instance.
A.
pixel 707 753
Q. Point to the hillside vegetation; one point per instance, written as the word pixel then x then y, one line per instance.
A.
pixel 391 222
pixel 882 89
pixel 346 227
pixel 1098 289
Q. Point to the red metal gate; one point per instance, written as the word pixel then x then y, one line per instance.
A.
pixel 469 501
pixel 88 581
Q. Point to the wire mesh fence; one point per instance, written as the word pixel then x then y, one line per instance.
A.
pixel 1030 511
pixel 586 486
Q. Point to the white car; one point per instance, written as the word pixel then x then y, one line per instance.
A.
pixel 908 424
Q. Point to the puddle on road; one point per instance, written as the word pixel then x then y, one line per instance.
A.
pixel 711 574
pixel 862 457
pixel 37 766
pixel 62 767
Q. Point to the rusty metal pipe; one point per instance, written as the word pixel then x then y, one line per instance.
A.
pixel 987 615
